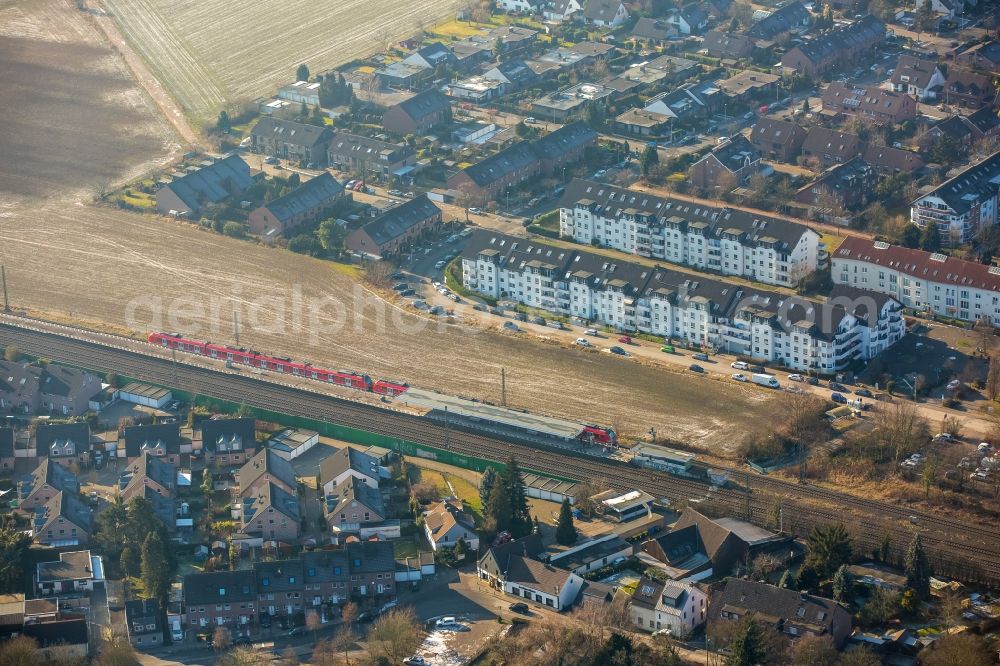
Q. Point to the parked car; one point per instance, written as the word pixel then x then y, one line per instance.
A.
pixel 835 386
pixel 812 381
pixel 796 378
pixel 625 340
pixel 738 365
pixel 740 377
pixel 271 159
pixel 668 349
pixel 618 350
pixel 838 398
pixel 439 265
pixel 475 211
pixel 700 356
pixel 583 342
pixel 479 307
pixel 447 623
pixel 591 331
pixel 864 393
pixel 511 326
pixel 755 368
pixel 696 368
pixel 519 608
pixel 394 193
pixel 538 320
pixel 416 660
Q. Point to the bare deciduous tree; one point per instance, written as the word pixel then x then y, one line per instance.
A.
pixel 394 636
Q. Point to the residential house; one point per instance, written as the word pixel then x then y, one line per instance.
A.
pixel 65 520
pixel 306 204
pixel 327 577
pixel 221 599
pixel 523 6
pixel 402 75
pixel 511 74
pixel 729 46
pixel 525 578
pixel 445 523
pixel 66 391
pixel 888 161
pixel 228 442
pixel 564 146
pixel 869 103
pixel 605 13
pixel 266 467
pixel 75 572
pixel 790 612
pixel 835 48
pixel 63 639
pixel 396 228
pixel 165 508
pixel 842 187
pixel 948 9
pixel 212 183
pixel 6 450
pixel 562 10
pixel 491 176
pixel 431 56
pixel 348 462
pixel 789 16
pixel 778 140
pixel 564 59
pixel 683 104
pixel 643 123
pixel 353 503
pixel 148 471
pixel 678 607
pixel 290 140
pixel 830 147
pixel 924 281
pixel 622 507
pixel 270 512
pixel 652 75
pixel 417 114
pixel 654 29
pixel 372 158
pixel 964 87
pixel 914 76
pixel 769 250
pixel 45 482
pixel 373 570
pixel 572 101
pixel 962 130
pixel 984 56
pixel 280 585
pixel 144 623
pixel 749 84
pixel 162 440
pixel 691 19
pixel 729 165
pixel 64 443
pixel 19 387
pixel 962 205
pixel 593 554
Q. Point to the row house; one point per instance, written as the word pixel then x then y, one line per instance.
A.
pixel 290 140
pixel 836 48
pixel 396 229
pixel 270 512
pixel 266 467
pixel 962 130
pixel 700 235
pixel 984 56
pixel 64 443
pixel 786 17
pixel 65 520
pixel 148 471
pixel 514 569
pixel 162 440
pixel 27 388
pixel 372 158
pixel 45 482
pixel 929 282
pixel 729 165
pixel 228 442
pixel 869 103
pixel 774 328
pixel 306 204
pixel 353 504
pixel 418 114
pixel 779 140
pixel 964 87
pixel 963 205
pixel 211 183
pixel 842 187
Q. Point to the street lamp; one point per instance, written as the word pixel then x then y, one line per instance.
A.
pixel 913 387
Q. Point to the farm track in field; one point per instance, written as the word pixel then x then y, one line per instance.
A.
pixel 210 54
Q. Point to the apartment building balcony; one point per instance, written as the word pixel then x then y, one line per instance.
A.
pixel 848 350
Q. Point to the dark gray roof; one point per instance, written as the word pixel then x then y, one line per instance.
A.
pixel 564 140
pixel 71 565
pixel 212 183
pixel 514 71
pixel 78 433
pixel 917 71
pixel 859 35
pixel 325 566
pixel 591 553
pixel 371 557
pixel 726 45
pixel 782 19
pixel 424 104
pixel 768 601
pixel 72 631
pixel 244 429
pixel 290 132
pixel 652 28
pixel 344 459
pixel 143 437
pixel 366 148
pixel 266 461
pixel 315 193
pixel 270 495
pixel 601 10
pixel 985 119
pixel 823 141
pixel 151 467
pixel 970 187
pixel 735 153
pixel 6 442
pixel 51 473
pixel 279 576
pixel 772 130
pixel 354 489
pixel 164 507
pixel 140 613
pixel 647 593
pixel 514 157
pixel 219 587
pixel 399 219
pixel 67 505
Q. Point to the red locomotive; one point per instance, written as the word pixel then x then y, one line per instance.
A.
pixel 252 359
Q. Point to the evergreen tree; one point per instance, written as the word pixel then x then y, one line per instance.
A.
pixel 805 105
pixel 157 571
pixel 565 530
pixel 650 158
pixel 460 550
pixel 130 562
pixel 930 239
pixel 303 111
pixel 223 124
pixel 497 510
pixel 910 236
pixel 828 547
pixel 918 569
pixel 302 73
pixel 486 484
pixel 746 647
pixel 14 545
pixel 842 584
pixel 520 516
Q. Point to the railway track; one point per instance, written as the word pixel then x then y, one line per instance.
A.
pixel 968 552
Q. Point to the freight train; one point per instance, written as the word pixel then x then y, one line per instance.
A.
pixel 252 359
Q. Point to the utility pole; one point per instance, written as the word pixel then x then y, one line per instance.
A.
pixel 3 277
pixel 236 326
pixel 503 386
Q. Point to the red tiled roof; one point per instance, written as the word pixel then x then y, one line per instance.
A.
pixel 919 264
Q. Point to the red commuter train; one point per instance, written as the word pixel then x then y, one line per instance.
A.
pixel 286 366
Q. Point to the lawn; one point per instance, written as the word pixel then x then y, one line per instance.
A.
pixel 430 477
pixel 411 547
pixel 468 493
pixel 456 29
pixel 832 242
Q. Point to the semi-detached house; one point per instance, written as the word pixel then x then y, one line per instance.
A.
pixel 774 328
pixel 725 240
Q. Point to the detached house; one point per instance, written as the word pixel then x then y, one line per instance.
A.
pixel 73 573
pixel 729 165
pixel 229 441
pixel 967 88
pixel 730 46
pixel 605 13
pixel 64 443
pixel 290 140
pixel 509 568
pixel 920 78
pixel 48 480
pixel 65 520
pixel 352 504
pixel 679 607
pixel 983 56
pixel 847 186
pixel 445 523
pixel 148 471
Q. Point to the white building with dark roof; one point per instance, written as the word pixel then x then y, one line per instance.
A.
pixel 963 205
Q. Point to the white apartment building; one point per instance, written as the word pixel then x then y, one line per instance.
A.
pixel 790 331
pixel 931 282
pixel 963 205
pixel 724 240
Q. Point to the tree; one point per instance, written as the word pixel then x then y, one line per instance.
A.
pixel 520 516
pixel 156 570
pixel 650 158
pixel 116 651
pixel 917 568
pixel 811 650
pixel 925 17
pixel 884 552
pixel 244 656
pixel 930 238
pixel 14 545
pixel 394 636
pixel 304 244
pixel 223 124
pixel 746 647
pixel 288 657
pixel 130 561
pixel 843 582
pixel 486 483
pixel 331 236
pixel 859 657
pixel 461 549
pixel 497 510
pixel 233 229
pixel 828 548
pixel 12 354
pixel 112 379
pixel 805 106
pixel 565 530
pixel 313 622
pixel 965 648
pixel 221 639
pixel 910 236
pixel 993 378
pixel 20 651
pixel 302 73
pixel 785 580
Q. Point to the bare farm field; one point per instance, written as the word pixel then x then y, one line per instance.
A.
pixel 156 274
pixel 72 117
pixel 211 54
